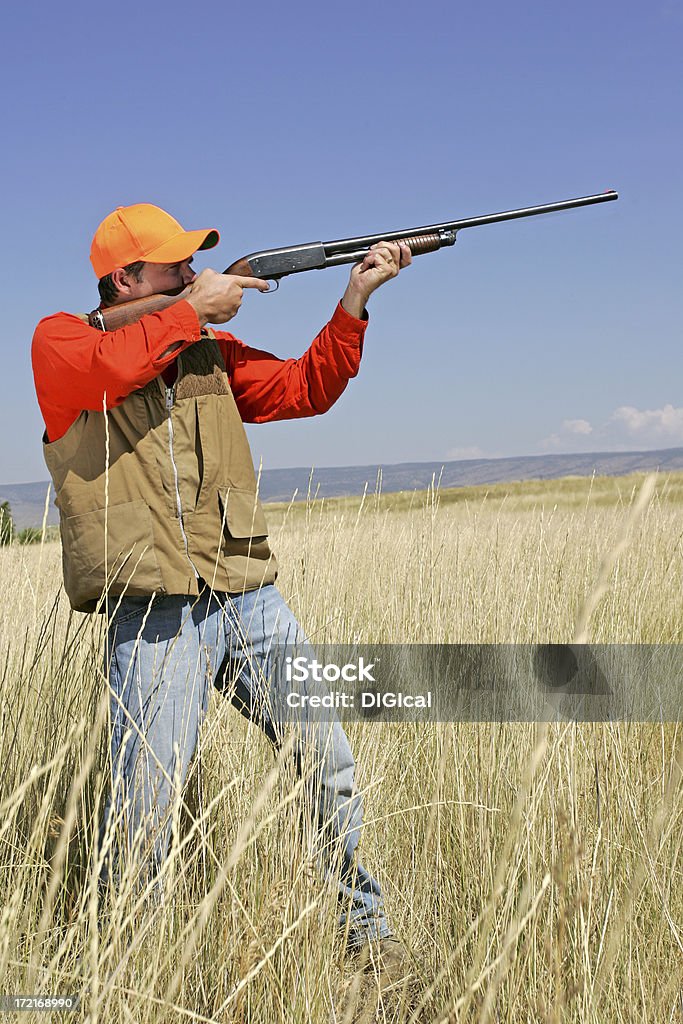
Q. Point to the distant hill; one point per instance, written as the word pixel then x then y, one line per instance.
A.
pixel 28 500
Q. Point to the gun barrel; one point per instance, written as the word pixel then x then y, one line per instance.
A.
pixel 354 245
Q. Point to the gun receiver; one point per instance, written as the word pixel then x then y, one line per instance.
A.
pixel 274 264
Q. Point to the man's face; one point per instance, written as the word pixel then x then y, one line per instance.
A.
pixel 162 278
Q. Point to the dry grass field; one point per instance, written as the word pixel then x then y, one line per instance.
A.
pixel 533 871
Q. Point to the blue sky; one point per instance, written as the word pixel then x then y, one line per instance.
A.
pixel 285 123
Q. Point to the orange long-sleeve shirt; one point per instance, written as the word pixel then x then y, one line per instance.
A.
pixel 75 365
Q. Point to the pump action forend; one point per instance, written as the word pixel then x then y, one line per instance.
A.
pixel 273 264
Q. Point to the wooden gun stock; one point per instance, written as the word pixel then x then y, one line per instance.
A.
pixel 114 317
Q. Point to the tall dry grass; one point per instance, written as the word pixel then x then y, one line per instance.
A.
pixel 534 872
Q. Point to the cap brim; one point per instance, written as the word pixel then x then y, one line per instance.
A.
pixel 182 246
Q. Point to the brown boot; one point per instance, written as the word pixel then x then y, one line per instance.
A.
pixel 388 961
pixel 381 982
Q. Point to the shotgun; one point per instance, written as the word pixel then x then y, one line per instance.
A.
pixel 274 264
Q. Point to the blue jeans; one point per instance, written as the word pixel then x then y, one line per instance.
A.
pixel 164 654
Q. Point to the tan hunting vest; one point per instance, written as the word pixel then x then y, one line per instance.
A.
pixel 178 503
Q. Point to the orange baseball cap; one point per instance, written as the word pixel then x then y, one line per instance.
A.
pixel 144 232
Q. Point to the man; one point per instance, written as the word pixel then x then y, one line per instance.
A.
pixel 162 528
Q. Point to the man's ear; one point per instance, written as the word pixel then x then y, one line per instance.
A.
pixel 122 281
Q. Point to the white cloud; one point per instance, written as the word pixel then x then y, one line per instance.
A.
pixel 577 427
pixel 554 441
pixel 625 426
pixel 665 424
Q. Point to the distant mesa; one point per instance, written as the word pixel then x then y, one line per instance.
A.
pixel 28 500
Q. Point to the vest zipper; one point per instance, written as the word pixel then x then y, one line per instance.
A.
pixel 170 399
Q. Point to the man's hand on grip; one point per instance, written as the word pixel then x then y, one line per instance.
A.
pixel 216 298
pixel 383 261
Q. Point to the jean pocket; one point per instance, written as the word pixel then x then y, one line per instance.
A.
pixel 132 608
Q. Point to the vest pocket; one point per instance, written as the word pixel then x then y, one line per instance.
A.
pixel 130 565
pixel 241 514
